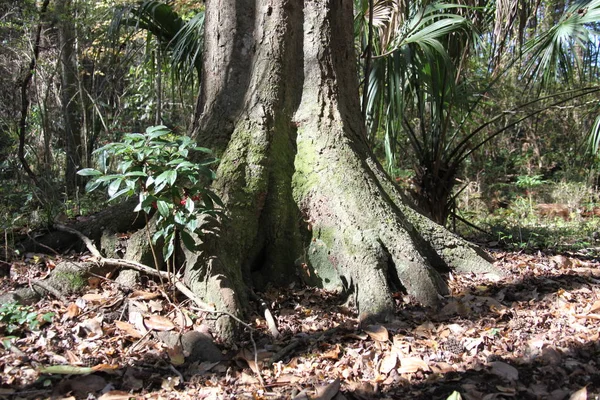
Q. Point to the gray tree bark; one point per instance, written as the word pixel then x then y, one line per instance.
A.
pixel 306 198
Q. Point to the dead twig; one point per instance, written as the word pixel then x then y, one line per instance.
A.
pixel 264 308
pixel 182 287
pixel 115 262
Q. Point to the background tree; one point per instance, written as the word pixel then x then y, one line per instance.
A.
pixel 69 89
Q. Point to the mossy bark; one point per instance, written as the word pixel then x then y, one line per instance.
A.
pixel 305 196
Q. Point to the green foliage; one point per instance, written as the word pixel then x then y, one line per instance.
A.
pixel 430 83
pixel 183 40
pixel 520 226
pixel 529 181
pixel 158 167
pixel 18 318
pixel 566 50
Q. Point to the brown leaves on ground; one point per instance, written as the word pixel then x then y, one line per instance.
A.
pixel 531 336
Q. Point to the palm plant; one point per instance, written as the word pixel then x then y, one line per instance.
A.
pixel 413 87
pixel 181 40
pixel 417 89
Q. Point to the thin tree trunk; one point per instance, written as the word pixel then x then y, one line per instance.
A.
pixel 69 96
pixel 25 102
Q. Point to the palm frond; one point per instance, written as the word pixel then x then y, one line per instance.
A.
pixel 551 55
pixel 186 47
pixel 182 40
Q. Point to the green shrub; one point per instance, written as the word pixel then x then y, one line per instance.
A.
pixel 158 167
pixel 16 317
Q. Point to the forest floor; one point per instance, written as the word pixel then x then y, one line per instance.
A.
pixel 532 335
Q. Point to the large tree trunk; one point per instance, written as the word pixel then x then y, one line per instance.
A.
pixel 305 196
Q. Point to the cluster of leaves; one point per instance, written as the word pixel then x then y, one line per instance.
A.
pixel 17 317
pixel 157 166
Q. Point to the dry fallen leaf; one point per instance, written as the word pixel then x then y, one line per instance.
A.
pixel 410 365
pixel 115 395
pixel 378 333
pixel 73 310
pixel 595 307
pixel 137 320
pixel 333 354
pixel 94 298
pixel 504 370
pixel 388 363
pixel 91 327
pixel 562 261
pixel 129 329
pixel 158 323
pixel 581 394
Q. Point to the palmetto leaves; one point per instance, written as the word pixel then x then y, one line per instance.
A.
pixel 415 88
pixel 411 70
pixel 552 54
pixel 183 40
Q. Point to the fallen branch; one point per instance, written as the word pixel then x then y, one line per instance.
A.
pixel 116 262
pixel 182 287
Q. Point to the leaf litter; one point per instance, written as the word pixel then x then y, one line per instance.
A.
pixel 532 335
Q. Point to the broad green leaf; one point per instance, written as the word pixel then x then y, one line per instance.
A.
pixel 178 161
pixel 114 187
pixel 121 192
pixel 188 241
pixel 179 218
pixel 203 150
pixel 92 185
pixel 192 225
pixel 154 132
pixel 157 235
pixel 208 162
pixel 189 204
pixel 136 173
pixel 106 178
pixel 125 165
pixel 208 202
pixel 134 137
pixel 89 172
pixel 163 208
pixel 215 197
pixel 165 177
pixel 171 176
pixel 169 247
pixel 149 181
pixel 147 203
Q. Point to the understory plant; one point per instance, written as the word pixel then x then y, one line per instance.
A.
pixel 170 173
pixel 15 317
